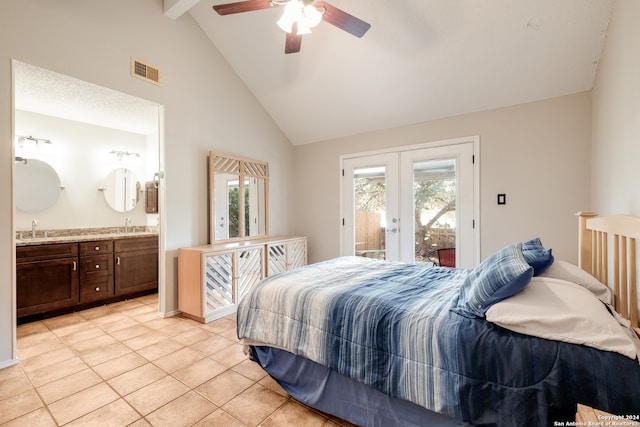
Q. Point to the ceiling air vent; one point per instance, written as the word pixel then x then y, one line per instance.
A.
pixel 145 71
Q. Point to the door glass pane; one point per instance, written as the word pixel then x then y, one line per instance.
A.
pixel 370 218
pixel 434 194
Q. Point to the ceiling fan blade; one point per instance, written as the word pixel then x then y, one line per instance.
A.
pixel 243 6
pixel 293 41
pixel 343 20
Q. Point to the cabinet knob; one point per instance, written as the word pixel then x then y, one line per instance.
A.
pixel 97 248
pixel 97 288
pixel 97 266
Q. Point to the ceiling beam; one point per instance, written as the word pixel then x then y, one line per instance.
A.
pixel 174 9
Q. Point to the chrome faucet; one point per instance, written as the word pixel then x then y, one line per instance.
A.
pixel 127 221
pixel 34 224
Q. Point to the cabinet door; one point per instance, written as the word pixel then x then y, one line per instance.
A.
pixel 136 271
pixel 277 258
pixel 249 270
pixel 218 284
pixel 46 285
pixel 296 253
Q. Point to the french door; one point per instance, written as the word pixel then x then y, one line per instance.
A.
pixel 411 205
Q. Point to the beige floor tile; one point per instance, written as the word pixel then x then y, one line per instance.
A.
pixel 146 317
pixel 158 323
pixel 183 411
pixel 30 329
pixel 254 405
pixel 36 338
pixel 141 309
pixel 120 365
pixel 19 405
pixel 160 349
pixel 144 340
pixel 174 329
pixel 151 299
pixel 135 330
pixel 292 414
pixel 95 312
pixel 230 356
pixel 68 385
pixel 122 323
pixel 220 419
pixel 110 318
pixel 82 403
pixel 193 336
pixel 104 354
pixel 211 345
pixel 273 385
pixel 38 418
pixel 220 325
pixel 250 369
pixel 92 344
pixel 46 374
pixel 230 334
pixel 11 372
pixel 140 423
pixel 157 394
pixel 198 372
pixel 89 331
pixel 47 359
pixel 115 414
pixel 62 321
pixel 51 343
pixel 79 324
pixel 14 385
pixel 179 359
pixel 224 387
pixel 123 306
pixel 137 378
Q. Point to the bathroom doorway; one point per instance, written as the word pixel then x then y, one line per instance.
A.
pixel 91 138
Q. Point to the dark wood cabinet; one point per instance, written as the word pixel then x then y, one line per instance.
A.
pixel 60 277
pixel 47 278
pixel 136 265
pixel 96 270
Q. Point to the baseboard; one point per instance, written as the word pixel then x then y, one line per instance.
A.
pixel 8 363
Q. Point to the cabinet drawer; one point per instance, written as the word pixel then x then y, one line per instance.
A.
pixel 135 244
pixel 96 266
pixel 96 288
pixel 97 247
pixel 44 252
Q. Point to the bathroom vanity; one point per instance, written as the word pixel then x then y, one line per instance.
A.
pixel 60 274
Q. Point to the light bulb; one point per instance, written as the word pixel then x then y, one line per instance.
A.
pixel 312 15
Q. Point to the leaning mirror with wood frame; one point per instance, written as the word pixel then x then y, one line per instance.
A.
pixel 238 194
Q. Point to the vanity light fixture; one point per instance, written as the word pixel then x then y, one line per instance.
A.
pixel 124 154
pixel 23 140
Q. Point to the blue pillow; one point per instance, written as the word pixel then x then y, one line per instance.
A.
pixel 536 255
pixel 503 274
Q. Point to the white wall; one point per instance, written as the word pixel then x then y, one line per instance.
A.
pixel 80 155
pixel 537 153
pixel 206 107
pixel 615 178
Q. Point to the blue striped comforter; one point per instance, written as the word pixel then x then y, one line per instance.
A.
pixel 389 325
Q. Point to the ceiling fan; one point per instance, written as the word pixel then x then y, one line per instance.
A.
pixel 299 17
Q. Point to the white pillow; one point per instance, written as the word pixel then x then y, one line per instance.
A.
pixel 563 311
pixel 566 271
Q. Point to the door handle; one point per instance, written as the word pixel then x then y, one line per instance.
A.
pixel 392 230
pixel 117 260
pixel 74 266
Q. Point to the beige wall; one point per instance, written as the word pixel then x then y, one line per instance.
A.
pixel 537 153
pixel 615 180
pixel 206 107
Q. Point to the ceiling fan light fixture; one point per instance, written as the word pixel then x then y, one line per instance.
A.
pixel 306 17
pixel 312 15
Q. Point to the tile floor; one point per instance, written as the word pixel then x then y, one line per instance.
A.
pixel 122 365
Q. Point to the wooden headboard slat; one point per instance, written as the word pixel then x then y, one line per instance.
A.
pixel 594 236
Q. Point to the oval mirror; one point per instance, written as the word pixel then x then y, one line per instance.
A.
pixel 37 185
pixel 122 189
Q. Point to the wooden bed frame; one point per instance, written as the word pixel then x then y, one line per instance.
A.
pixel 595 238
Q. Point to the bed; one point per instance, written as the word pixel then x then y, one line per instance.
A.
pixel 521 339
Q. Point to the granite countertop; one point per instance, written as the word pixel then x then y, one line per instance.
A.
pixel 24 238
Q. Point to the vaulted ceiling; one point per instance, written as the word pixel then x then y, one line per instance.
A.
pixel 421 59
